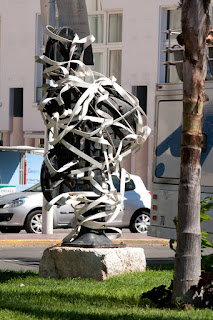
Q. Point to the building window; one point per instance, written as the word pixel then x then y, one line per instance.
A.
pixel 115 64
pixel 115 28
pixel 170 54
pixel 98 62
pixel 39 94
pixel 39 48
pixel 16 102
pixel 96 25
pixel 41 143
pixel 93 5
pixel 1 140
pixel 106 27
pixel 141 93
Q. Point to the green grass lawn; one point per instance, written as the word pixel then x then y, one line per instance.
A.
pixel 24 295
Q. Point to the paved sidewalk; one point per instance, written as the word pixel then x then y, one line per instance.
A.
pixel 57 237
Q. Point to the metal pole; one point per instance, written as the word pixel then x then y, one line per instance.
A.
pixel 47 216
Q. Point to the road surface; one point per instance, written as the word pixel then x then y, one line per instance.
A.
pixel 28 257
pixel 25 250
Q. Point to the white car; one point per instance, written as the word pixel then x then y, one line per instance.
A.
pixel 23 210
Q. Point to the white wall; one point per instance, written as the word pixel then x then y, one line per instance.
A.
pixel 17 67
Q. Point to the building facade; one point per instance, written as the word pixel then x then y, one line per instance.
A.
pixel 131 37
pixel 20 122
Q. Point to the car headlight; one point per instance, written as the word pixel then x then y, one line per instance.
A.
pixel 15 203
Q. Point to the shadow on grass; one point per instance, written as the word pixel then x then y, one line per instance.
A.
pixel 38 301
pixel 75 303
pixel 6 275
pixel 67 298
pixel 75 315
pixel 159 267
pixel 75 307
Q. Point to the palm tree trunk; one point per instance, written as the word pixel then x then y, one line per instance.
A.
pixel 195 27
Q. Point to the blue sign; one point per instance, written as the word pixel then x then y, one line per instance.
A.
pixel 33 168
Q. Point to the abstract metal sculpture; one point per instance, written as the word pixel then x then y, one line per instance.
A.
pixel 93 123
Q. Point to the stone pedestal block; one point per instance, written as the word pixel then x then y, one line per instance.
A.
pixel 95 263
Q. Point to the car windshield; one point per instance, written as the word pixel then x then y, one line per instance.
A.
pixel 130 185
pixel 35 188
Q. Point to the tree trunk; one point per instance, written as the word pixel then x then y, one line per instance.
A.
pixel 195 27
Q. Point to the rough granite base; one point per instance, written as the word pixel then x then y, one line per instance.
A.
pixel 95 263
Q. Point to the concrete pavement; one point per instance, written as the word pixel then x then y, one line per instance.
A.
pixel 26 239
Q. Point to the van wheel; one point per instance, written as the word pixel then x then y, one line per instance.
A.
pixel 33 222
pixel 139 222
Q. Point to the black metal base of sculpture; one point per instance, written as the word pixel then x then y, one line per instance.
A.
pixel 90 238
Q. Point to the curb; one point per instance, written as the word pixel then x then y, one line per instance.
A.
pixel 142 241
pixel 52 242
pixel 29 242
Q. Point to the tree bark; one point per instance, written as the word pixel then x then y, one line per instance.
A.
pixel 195 27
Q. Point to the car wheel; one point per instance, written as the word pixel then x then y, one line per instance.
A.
pixel 10 229
pixel 140 222
pixel 33 223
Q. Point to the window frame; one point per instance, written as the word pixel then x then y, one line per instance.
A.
pixel 163 70
pixel 106 46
